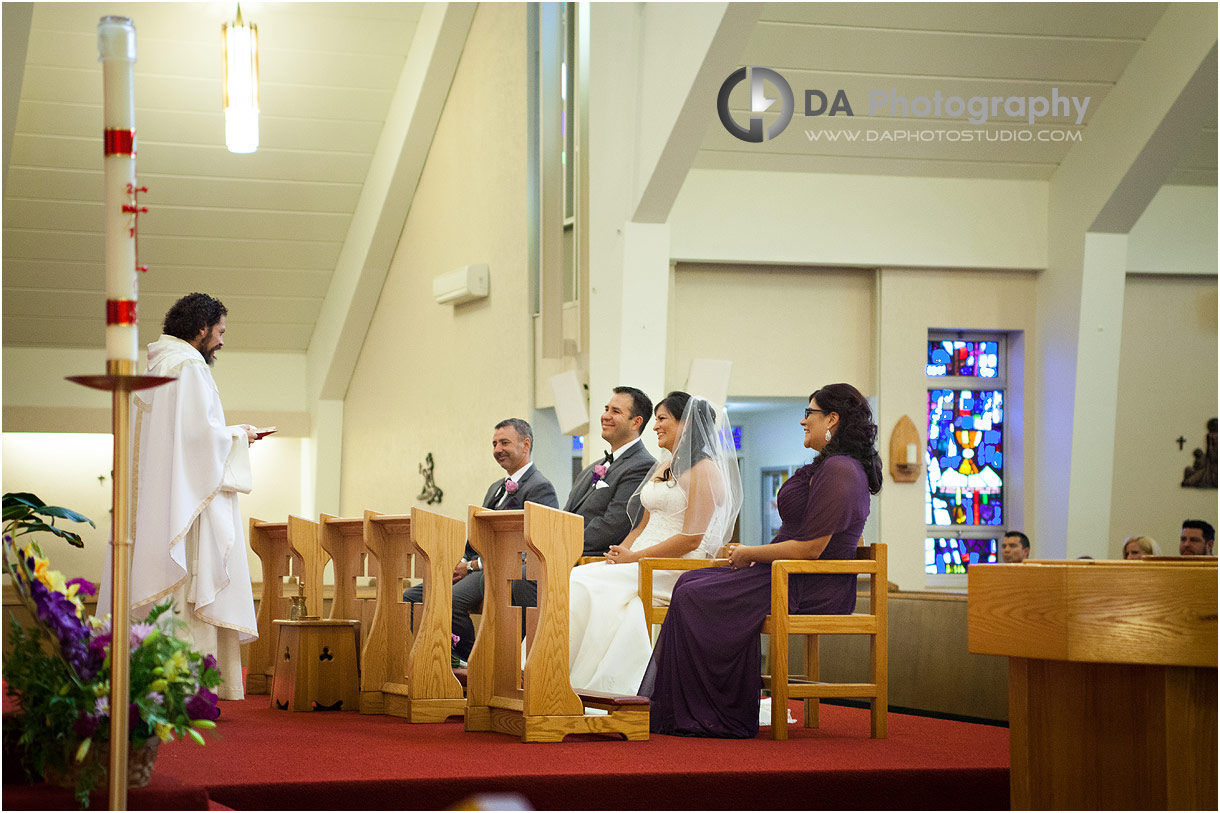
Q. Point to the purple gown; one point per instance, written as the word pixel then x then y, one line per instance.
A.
pixel 705 674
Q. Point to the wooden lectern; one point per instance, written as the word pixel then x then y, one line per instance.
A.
pixel 1112 680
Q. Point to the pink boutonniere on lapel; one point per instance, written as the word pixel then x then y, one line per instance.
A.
pixel 510 486
pixel 599 471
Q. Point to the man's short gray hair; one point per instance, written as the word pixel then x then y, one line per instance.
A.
pixel 521 427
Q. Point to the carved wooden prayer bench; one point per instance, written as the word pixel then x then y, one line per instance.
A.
pixel 409 674
pixel 537 702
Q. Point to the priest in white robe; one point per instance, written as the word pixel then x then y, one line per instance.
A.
pixel 188 470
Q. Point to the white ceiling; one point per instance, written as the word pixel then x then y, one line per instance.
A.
pixel 263 232
pixel 963 49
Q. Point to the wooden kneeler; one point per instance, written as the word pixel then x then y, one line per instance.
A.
pixel 411 675
pixel 537 704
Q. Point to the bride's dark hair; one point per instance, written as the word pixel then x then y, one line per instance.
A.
pixel 676 404
pixel 856 435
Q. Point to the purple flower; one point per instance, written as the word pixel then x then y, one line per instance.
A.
pixel 138 633
pixel 599 471
pixel 510 486
pixel 85 725
pixel 102 707
pixel 156 697
pixel 84 587
pixel 59 615
pixel 203 706
pixel 209 662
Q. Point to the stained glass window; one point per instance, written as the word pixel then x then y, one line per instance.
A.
pixel 946 555
pixel 979 359
pixel 965 457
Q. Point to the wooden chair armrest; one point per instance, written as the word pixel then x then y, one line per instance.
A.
pixel 588 560
pixel 857 566
pixel 663 563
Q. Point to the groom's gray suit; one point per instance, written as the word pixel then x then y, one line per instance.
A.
pixel 604 504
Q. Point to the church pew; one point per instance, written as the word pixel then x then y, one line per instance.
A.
pixel 285 549
pixel 409 674
pixel 536 703
pixel 343 540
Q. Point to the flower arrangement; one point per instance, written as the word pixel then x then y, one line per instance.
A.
pixel 599 471
pixel 59 672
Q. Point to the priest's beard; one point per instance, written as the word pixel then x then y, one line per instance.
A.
pixel 209 355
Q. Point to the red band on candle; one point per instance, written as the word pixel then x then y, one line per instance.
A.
pixel 120 142
pixel 120 311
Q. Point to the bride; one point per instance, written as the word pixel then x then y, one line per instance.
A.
pixel 688 505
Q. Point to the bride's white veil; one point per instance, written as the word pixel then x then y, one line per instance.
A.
pixel 704 466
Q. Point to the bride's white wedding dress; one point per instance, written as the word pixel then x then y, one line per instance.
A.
pixel 608 645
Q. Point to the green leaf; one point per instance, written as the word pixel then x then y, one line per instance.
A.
pixel 63 513
pixel 195 735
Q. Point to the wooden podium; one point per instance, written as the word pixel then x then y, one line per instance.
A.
pixel 1112 680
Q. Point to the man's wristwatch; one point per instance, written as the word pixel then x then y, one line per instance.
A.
pixel 471 566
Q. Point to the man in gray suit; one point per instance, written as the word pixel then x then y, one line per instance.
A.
pixel 510 445
pixel 600 493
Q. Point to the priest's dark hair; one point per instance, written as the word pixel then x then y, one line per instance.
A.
pixel 857 434
pixel 191 314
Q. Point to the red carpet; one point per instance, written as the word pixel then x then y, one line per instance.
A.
pixel 279 760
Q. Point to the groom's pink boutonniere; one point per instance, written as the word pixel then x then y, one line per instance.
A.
pixel 599 471
pixel 510 486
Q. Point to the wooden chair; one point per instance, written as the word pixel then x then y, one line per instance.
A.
pixel 538 703
pixel 870 560
pixel 654 614
pixel 285 549
pixel 405 674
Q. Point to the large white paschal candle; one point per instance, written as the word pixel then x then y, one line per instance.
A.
pixel 116 45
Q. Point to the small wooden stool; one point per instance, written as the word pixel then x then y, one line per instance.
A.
pixel 316 666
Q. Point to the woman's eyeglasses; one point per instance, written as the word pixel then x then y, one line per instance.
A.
pixel 809 412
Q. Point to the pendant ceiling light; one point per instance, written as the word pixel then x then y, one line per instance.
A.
pixel 240 84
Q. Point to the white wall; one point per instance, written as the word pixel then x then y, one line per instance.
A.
pixel 771 437
pixel 437 378
pixel 1167 389
pixel 787 330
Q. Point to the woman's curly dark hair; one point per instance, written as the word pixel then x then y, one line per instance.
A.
pixel 191 314
pixel 856 435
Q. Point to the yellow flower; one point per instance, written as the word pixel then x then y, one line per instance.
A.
pixel 83 749
pixel 175 664
pixel 101 688
pixel 165 731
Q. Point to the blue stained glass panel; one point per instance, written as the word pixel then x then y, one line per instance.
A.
pixel 964 457
pixel 944 555
pixel 978 359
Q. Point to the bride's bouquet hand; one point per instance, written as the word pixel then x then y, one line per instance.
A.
pixel 618 555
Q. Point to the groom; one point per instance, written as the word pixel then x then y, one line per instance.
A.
pixel 600 492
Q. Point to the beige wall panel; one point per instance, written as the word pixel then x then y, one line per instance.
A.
pixel 88 332
pixel 76 304
pixel 176 280
pixel 911 303
pixel 436 378
pixel 1166 389
pixel 786 330
pixel 30 244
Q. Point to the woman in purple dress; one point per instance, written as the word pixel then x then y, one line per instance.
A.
pixel 705 675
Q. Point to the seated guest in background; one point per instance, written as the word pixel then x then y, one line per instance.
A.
pixel 1014 549
pixel 511 443
pixel 600 492
pixel 1137 547
pixel 705 674
pixel 1198 538
pixel 686 508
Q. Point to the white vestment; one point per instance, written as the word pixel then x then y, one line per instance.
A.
pixel 189 541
